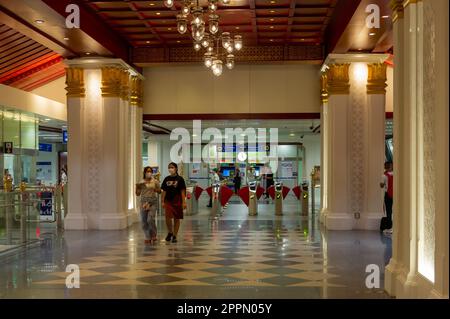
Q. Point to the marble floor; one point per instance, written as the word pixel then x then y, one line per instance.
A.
pixel 235 256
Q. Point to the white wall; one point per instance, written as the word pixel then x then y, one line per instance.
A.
pixel 54 90
pixel 29 102
pixel 293 88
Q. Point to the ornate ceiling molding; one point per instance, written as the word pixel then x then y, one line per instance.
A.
pixel 143 56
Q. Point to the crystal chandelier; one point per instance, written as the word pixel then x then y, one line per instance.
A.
pixel 219 46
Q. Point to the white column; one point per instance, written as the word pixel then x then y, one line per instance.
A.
pixel 394 267
pixel 338 217
pixel 76 219
pixel 103 145
pixel 375 147
pixel 419 266
pixel 324 157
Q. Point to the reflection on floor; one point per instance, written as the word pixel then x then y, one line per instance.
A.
pixel 234 257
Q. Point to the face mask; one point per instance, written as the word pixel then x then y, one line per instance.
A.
pixel 148 175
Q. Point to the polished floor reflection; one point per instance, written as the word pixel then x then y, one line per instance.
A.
pixel 235 256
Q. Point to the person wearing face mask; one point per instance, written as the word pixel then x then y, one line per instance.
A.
pixel 173 201
pixel 148 189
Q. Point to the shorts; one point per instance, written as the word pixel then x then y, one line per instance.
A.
pixel 173 211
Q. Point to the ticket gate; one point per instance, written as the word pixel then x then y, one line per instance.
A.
pixel 250 196
pixel 301 192
pixel 220 195
pixel 278 193
pixel 193 192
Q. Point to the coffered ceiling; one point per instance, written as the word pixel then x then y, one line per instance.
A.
pixel 260 22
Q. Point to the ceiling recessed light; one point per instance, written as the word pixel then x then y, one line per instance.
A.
pixel 147 42
pixel 39 21
pixel 272 2
pixel 237 28
pixel 271 26
pixel 170 29
pixel 372 34
pixel 385 17
pixel 178 41
pixel 272 11
pixel 158 13
pixel 272 20
pixel 66 38
pixel 271 40
pixel 152 4
pixel 88 53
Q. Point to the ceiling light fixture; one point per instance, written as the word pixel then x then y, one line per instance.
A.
pixel 39 21
pixel 203 25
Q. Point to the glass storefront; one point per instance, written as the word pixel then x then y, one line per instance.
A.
pixel 20 129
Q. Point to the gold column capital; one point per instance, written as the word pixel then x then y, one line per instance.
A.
pixel 397 9
pixel 136 91
pixel 338 80
pixel 324 89
pixel 75 82
pixel 377 78
pixel 125 85
pixel 111 81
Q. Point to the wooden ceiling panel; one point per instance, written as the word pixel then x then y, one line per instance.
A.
pixel 256 19
pixel 23 58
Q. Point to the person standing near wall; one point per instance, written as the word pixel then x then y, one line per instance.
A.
pixel 148 189
pixel 173 201
pixel 237 181
pixel 388 185
pixel 215 178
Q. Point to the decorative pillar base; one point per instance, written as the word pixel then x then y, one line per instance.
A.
pixel 323 215
pixel 113 221
pixel 339 221
pixel 369 221
pixel 75 221
pixel 132 217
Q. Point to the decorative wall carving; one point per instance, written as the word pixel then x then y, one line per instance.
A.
pixel 75 82
pixel 429 137
pixel 357 127
pixel 247 54
pixel 338 79
pixel 93 118
pixel 377 78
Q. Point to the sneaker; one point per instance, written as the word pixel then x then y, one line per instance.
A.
pixel 174 239
pixel 169 236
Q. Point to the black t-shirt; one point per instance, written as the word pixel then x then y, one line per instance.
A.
pixel 173 185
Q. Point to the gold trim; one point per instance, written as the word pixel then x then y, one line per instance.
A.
pixel 136 91
pixel 75 82
pixel 111 82
pixel 397 9
pixel 324 90
pixel 338 79
pixel 125 85
pixel 377 78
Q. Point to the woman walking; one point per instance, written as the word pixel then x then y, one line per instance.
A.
pixel 148 189
pixel 173 201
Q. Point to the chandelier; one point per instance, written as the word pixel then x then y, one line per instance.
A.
pixel 219 46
